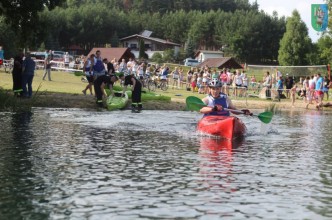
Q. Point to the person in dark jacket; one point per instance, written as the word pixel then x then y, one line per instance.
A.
pixel 136 103
pixel 28 70
pixel 110 67
pixel 99 85
pixel 17 75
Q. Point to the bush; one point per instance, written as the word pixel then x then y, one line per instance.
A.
pixel 157 57
pixel 78 73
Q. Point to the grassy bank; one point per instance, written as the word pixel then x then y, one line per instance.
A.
pixel 65 91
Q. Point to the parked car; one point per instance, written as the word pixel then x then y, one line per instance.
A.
pixel 56 52
pixel 57 57
pixel 38 55
pixel 190 62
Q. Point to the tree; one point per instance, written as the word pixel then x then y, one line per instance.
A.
pixel 7 39
pixel 295 44
pixel 189 48
pixel 115 41
pixel 157 57
pixel 22 15
pixel 168 56
pixel 324 45
pixel 142 54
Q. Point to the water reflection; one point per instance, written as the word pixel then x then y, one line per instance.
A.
pixel 20 188
pixel 73 164
pixel 216 162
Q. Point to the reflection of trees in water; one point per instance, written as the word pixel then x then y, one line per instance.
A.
pixel 18 185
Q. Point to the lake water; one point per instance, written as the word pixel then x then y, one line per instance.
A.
pixel 77 164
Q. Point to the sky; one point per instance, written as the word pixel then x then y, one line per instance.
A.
pixel 286 7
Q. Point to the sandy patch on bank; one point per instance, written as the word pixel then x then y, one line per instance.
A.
pixel 63 100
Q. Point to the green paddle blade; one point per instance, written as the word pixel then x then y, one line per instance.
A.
pixel 265 117
pixel 194 104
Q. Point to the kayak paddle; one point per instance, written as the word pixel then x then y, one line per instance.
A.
pixel 195 104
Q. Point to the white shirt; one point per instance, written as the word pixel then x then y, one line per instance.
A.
pixel 66 58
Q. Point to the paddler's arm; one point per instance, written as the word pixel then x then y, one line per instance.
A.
pixel 208 109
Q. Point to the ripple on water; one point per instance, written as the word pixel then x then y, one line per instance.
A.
pixel 111 165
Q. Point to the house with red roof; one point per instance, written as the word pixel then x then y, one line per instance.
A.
pixel 113 53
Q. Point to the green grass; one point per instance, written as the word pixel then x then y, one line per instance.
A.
pixel 68 82
pixel 64 82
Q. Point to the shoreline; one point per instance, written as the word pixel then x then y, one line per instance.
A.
pixel 66 100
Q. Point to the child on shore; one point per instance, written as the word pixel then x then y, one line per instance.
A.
pixel 293 94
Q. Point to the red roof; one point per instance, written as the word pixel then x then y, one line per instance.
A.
pixel 115 52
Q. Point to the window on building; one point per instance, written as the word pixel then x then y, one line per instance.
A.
pixel 133 46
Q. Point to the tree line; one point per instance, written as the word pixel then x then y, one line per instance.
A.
pixel 233 26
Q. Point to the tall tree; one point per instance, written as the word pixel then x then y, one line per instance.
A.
pixel 189 48
pixel 142 54
pixel 22 15
pixel 295 44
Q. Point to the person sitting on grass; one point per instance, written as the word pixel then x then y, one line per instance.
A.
pixel 217 101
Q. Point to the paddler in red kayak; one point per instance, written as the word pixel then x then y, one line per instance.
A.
pixel 217 101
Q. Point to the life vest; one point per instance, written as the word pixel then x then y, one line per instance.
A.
pixel 99 65
pixel 221 100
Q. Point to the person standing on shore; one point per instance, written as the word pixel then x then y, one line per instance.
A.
pixel 17 75
pixel 289 84
pixel 267 84
pixel 28 70
pixel 88 70
pixel 66 60
pixel 2 56
pixel 47 66
pixel 292 92
pixel 110 67
pixel 280 87
pixel 136 88
pixel 319 91
pixel 98 68
pixel 327 85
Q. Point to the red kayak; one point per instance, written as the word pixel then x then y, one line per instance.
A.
pixel 228 127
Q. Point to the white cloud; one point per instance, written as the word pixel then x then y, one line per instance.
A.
pixel 286 7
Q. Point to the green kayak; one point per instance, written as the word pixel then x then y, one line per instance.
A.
pixel 117 101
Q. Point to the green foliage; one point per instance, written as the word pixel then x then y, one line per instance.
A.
pixel 10 103
pixel 157 58
pixel 324 45
pixel 22 15
pixel 189 48
pixel 247 34
pixel 142 54
pixel 115 41
pixel 168 56
pixel 295 44
pixel 7 39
